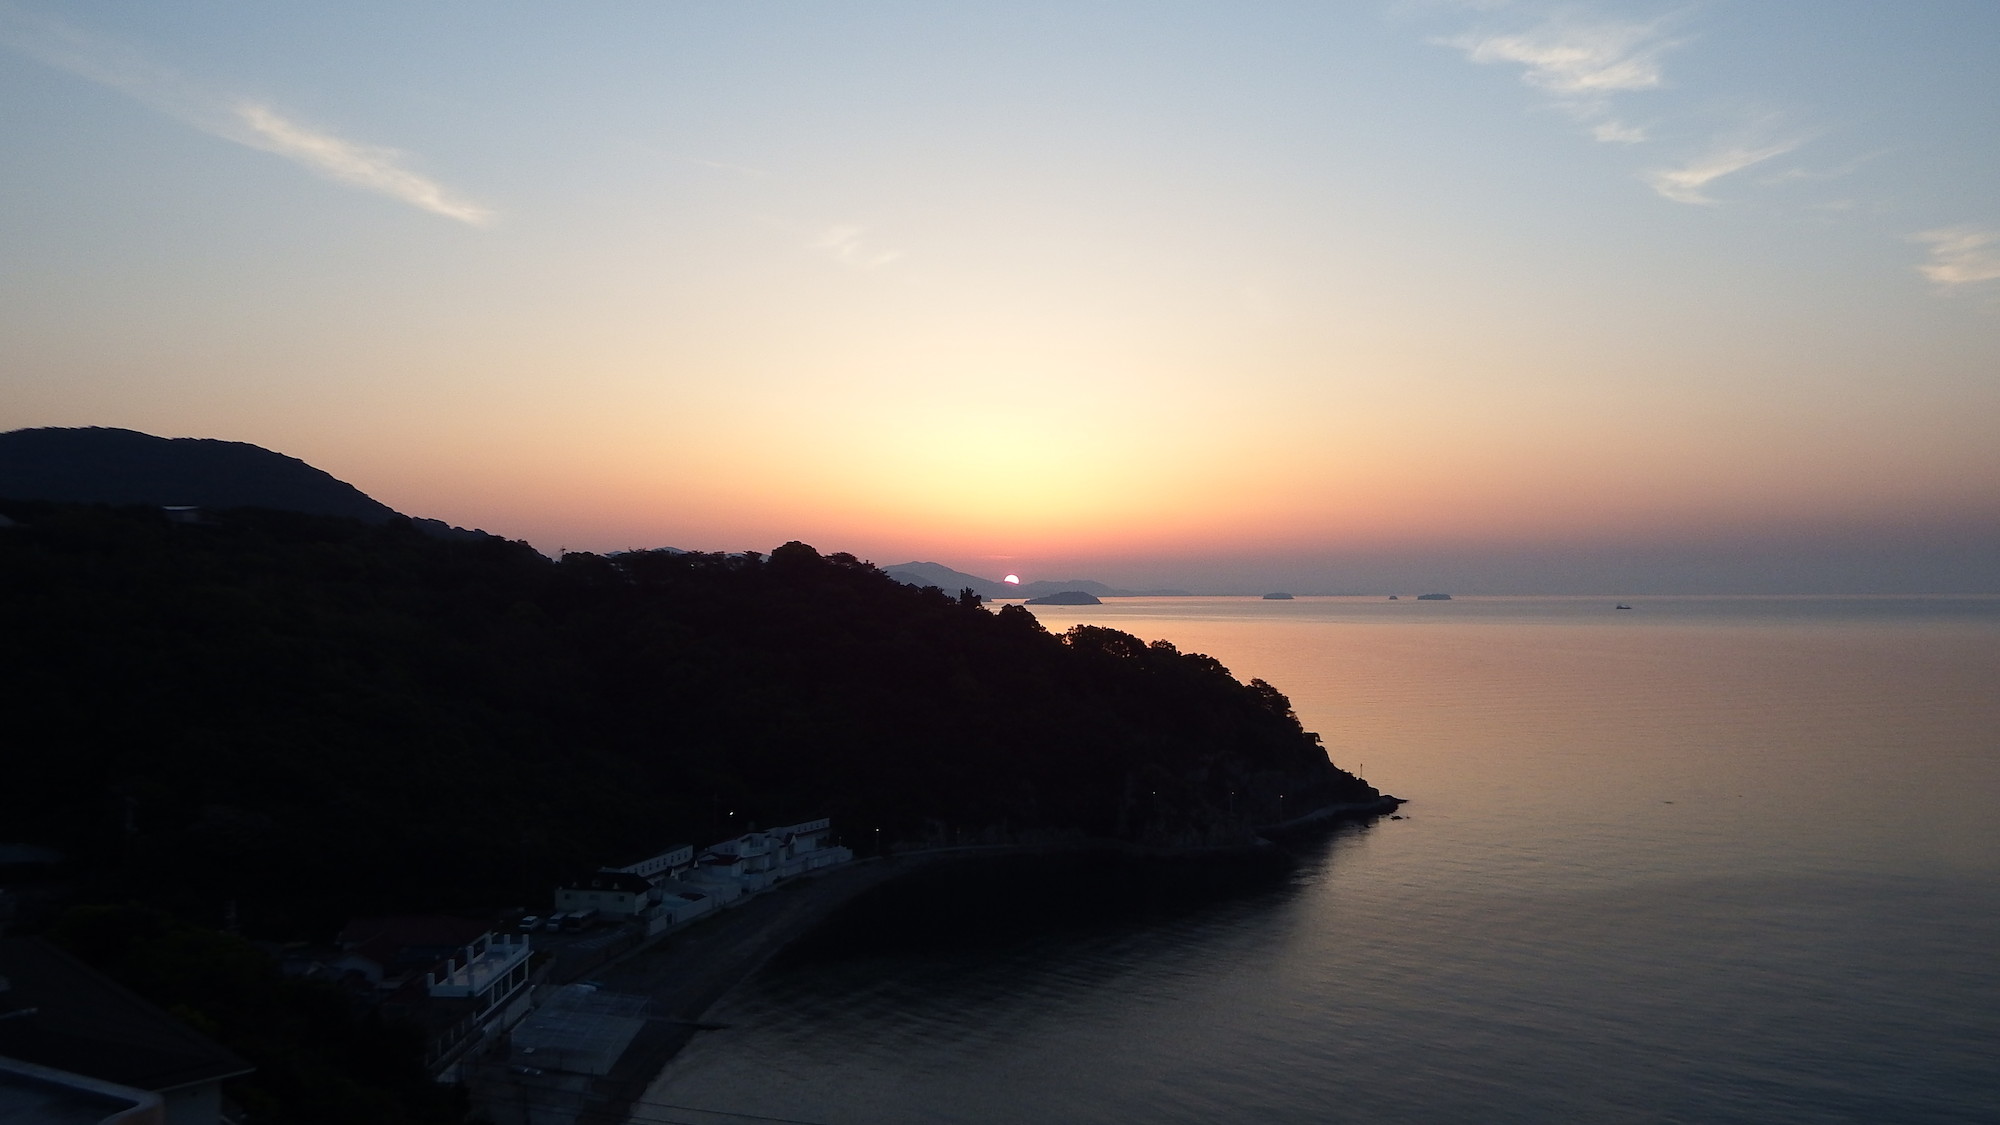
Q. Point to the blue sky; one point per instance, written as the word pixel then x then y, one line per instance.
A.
pixel 1606 296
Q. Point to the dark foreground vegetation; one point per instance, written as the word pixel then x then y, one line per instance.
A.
pixel 287 719
pixel 320 1059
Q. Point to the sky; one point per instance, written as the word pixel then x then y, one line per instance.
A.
pixel 1489 297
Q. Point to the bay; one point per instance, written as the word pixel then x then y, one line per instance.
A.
pixel 1706 859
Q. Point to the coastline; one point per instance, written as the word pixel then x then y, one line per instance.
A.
pixel 682 975
pixel 1327 816
pixel 689 972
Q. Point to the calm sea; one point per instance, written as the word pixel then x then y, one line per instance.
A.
pixel 1703 860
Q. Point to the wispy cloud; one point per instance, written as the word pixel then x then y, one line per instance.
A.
pixel 1574 57
pixel 244 121
pixel 844 242
pixel 1687 183
pixel 1961 255
pixel 1617 132
pixel 1838 171
pixel 364 166
pixel 1582 63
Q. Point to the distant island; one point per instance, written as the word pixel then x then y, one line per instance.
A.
pixel 1277 597
pixel 1067 597
pixel 1433 597
pixel 952 581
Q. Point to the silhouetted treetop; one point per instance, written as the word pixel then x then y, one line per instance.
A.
pixel 313 715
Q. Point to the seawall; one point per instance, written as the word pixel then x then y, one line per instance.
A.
pixel 862 905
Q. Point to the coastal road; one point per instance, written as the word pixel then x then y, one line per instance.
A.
pixel 684 975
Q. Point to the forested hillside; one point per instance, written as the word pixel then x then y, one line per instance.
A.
pixel 310 716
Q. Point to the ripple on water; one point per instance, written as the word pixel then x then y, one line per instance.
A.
pixel 1738 865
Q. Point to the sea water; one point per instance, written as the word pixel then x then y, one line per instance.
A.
pixel 1702 860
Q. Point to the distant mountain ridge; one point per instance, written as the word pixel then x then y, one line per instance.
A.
pixel 947 579
pixel 107 465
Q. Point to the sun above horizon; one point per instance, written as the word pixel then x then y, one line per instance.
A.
pixel 1012 580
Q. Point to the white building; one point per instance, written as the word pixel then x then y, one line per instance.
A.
pixel 805 847
pixel 482 987
pixel 680 902
pixel 721 876
pixel 666 865
pixel 617 894
pixel 489 971
pixel 756 860
pixel 676 886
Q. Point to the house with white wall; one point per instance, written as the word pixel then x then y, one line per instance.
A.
pixel 479 988
pixel 804 847
pixel 759 859
pixel 455 978
pixel 680 902
pixel 615 894
pixel 665 865
pixel 719 875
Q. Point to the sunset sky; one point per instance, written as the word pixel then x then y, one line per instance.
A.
pixel 1492 297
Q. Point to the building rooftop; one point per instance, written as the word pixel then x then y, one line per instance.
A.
pixel 26 1100
pixel 609 881
pixel 57 1012
pixel 655 857
pixel 580 1029
pixel 494 962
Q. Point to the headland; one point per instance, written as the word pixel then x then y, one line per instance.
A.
pixel 688 972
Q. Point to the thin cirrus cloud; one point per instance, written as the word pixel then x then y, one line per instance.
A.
pixel 1961 255
pixel 246 122
pixel 1617 132
pixel 1688 183
pixel 845 244
pixel 1581 64
pixel 1570 59
pixel 1838 171
pixel 368 167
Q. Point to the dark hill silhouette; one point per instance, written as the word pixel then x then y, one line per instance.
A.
pixel 312 716
pixel 945 578
pixel 106 465
pixel 102 465
pixel 286 720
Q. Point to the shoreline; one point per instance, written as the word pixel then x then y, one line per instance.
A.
pixel 687 973
pixel 1327 816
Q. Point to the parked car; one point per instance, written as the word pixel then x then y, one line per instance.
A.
pixel 531 923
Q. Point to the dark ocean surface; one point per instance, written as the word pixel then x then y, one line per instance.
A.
pixel 1703 860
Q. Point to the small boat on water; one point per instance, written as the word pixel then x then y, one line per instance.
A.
pixel 1621 605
